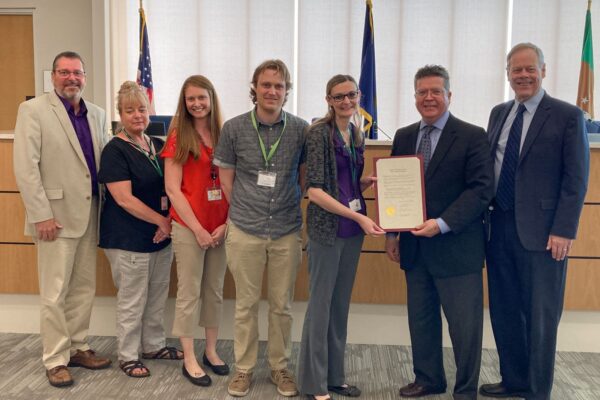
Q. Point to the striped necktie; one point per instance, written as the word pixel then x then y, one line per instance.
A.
pixel 505 194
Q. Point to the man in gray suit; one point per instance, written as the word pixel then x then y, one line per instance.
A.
pixel 57 145
pixel 541 158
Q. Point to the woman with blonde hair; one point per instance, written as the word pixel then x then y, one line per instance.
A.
pixel 134 233
pixel 337 222
pixel 199 211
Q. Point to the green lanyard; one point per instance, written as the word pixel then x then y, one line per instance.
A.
pixel 150 155
pixel 352 153
pixel 267 157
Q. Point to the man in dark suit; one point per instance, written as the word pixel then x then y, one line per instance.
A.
pixel 443 257
pixel 541 168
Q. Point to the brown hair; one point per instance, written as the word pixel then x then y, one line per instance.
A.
pixel 182 123
pixel 67 54
pixel 276 65
pixel 329 118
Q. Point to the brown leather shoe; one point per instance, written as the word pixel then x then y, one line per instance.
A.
pixel 416 390
pixel 59 376
pixel 88 359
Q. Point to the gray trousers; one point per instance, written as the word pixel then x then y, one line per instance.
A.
pixel 332 270
pixel 142 282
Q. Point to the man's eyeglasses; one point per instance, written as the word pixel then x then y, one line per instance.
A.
pixel 338 98
pixel 65 73
pixel 434 92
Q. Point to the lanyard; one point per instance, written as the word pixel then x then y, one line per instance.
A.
pixel 150 155
pixel 351 150
pixel 267 157
pixel 211 156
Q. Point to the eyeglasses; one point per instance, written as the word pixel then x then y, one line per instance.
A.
pixel 338 98
pixel 65 73
pixel 434 92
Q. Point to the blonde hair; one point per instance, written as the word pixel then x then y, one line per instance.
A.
pixel 275 65
pixel 130 93
pixel 182 123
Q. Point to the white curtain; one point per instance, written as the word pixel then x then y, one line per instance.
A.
pixel 226 39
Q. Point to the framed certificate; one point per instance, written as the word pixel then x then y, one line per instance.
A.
pixel 399 192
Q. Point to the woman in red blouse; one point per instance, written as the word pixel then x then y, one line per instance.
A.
pixel 199 211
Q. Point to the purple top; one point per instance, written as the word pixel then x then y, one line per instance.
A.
pixel 347 190
pixel 82 129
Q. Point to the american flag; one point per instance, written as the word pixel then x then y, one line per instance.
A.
pixel 144 73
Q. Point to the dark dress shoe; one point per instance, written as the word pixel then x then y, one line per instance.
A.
pixel 416 390
pixel 203 380
pixel 217 369
pixel 498 390
pixel 348 390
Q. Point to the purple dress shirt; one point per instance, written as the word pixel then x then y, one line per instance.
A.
pixel 84 134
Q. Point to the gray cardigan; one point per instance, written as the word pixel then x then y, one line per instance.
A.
pixel 321 172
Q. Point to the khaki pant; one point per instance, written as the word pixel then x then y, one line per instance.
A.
pixel 247 256
pixel 67 280
pixel 200 277
pixel 142 281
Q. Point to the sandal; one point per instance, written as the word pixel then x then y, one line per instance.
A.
pixel 166 353
pixel 129 366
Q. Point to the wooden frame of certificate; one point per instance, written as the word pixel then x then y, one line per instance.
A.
pixel 399 192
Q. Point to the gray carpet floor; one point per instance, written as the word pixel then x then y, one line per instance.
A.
pixel 378 370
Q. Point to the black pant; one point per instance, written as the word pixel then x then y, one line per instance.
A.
pixel 526 290
pixel 461 298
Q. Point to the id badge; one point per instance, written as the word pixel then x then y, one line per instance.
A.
pixel 355 205
pixel 164 203
pixel 214 194
pixel 266 178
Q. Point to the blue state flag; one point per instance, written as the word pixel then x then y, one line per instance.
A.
pixel 367 84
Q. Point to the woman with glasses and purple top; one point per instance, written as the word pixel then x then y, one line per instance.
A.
pixel 337 222
pixel 199 211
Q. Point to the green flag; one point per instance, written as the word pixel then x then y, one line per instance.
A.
pixel 585 94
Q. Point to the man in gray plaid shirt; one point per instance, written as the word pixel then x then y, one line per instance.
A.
pixel 261 167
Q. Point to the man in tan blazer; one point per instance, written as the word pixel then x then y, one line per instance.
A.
pixel 57 146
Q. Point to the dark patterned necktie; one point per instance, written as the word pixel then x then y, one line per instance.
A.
pixel 425 146
pixel 505 194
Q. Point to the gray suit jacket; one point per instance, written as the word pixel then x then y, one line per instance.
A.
pixel 50 169
pixel 552 174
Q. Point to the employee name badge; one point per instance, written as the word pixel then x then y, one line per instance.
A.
pixel 164 203
pixel 266 178
pixel 214 193
pixel 355 205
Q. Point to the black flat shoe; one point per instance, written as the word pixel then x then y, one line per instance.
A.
pixel 348 391
pixel 217 369
pixel 203 380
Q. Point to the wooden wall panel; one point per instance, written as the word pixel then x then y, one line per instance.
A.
pixel 19 269
pixel 593 193
pixel 7 176
pixel 378 280
pixel 583 281
pixel 12 215
pixel 16 68
pixel 587 243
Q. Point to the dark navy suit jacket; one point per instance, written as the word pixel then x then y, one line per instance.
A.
pixel 458 188
pixel 552 174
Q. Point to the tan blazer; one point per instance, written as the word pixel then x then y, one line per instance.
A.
pixel 49 165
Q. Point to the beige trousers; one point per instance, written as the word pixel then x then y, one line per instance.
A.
pixel 67 280
pixel 200 277
pixel 142 282
pixel 247 256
